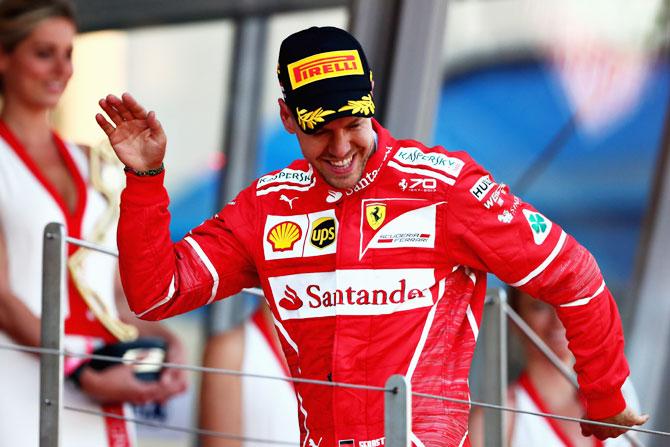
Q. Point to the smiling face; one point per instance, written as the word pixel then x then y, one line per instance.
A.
pixel 36 72
pixel 339 150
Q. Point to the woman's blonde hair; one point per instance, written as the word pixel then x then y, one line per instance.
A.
pixel 18 18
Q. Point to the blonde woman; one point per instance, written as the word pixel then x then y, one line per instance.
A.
pixel 46 179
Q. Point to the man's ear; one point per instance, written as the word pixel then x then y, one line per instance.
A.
pixel 286 117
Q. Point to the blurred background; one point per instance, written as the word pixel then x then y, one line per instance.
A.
pixel 565 101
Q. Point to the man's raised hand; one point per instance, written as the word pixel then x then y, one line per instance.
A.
pixel 136 136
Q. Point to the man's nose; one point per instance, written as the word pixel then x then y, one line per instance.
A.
pixel 339 144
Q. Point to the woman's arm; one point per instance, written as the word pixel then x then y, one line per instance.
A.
pixel 16 319
pixel 221 395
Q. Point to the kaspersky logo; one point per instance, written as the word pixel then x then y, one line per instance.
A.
pixel 331 64
pixel 352 292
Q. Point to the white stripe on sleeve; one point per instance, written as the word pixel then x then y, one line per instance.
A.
pixel 540 268
pixel 582 301
pixel 210 267
pixel 161 302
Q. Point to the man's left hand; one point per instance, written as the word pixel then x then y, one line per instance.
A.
pixel 627 417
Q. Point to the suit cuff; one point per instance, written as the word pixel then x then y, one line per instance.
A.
pixel 147 190
pixel 604 407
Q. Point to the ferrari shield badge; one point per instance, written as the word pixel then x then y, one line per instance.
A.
pixel 375 214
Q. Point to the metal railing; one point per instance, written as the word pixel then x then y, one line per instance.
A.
pixel 398 394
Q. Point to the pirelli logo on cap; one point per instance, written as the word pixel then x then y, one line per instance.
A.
pixel 323 66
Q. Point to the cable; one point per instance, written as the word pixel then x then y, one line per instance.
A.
pixel 546 415
pixel 553 358
pixel 311 381
pixel 92 246
pixel 202 369
pixel 197 431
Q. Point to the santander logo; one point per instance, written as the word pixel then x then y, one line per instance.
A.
pixel 352 292
pixel 291 300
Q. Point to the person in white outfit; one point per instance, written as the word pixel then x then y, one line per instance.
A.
pixel 250 407
pixel 542 388
pixel 46 179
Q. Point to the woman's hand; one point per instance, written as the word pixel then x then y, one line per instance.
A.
pixel 174 381
pixel 118 384
pixel 137 137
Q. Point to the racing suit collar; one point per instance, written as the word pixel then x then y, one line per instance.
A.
pixel 384 144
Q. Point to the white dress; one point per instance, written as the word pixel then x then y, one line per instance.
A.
pixel 269 407
pixel 529 430
pixel 27 204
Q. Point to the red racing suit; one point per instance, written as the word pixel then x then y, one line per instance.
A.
pixel 387 277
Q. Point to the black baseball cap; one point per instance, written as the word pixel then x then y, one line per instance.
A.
pixel 324 75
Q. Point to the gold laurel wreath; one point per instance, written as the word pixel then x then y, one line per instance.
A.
pixel 101 159
pixel 308 119
pixel 363 105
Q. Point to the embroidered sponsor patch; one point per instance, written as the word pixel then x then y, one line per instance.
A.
pixel 284 235
pixel 482 187
pixel 413 156
pixel 372 443
pixel 330 64
pixel 495 197
pixel 352 292
pixel 289 179
pixel 539 225
pixel 368 178
pixel 507 215
pixel 375 213
pixel 323 232
pixel 418 184
pixel 300 235
pixel 333 196
pixel 404 223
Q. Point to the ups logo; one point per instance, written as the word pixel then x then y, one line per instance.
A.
pixel 323 232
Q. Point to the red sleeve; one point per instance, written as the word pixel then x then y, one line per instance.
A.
pixel 162 279
pixel 495 231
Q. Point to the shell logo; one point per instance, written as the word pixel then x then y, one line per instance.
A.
pixel 284 235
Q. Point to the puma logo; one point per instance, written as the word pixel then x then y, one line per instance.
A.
pixel 312 444
pixel 287 200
